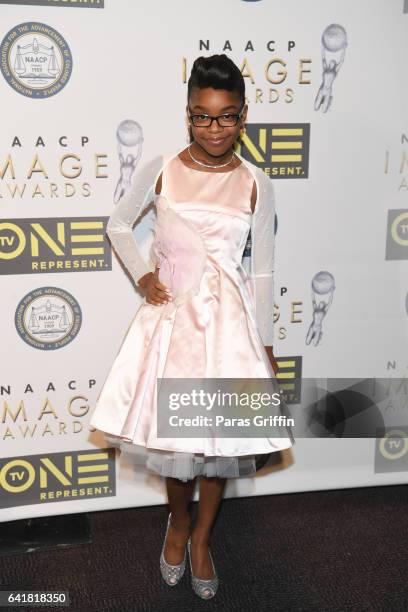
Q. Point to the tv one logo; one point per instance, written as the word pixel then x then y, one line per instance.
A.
pixel 391 452
pixel 397 234
pixel 57 477
pixel 281 150
pixel 54 244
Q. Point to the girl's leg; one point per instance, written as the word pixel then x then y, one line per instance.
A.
pixel 179 494
pixel 211 490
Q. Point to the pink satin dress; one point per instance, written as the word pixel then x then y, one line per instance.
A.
pixel 207 330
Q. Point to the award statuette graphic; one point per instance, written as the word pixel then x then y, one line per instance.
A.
pixel 129 135
pixel 334 43
pixel 323 287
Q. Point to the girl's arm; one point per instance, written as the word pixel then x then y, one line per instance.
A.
pixel 263 257
pixel 274 363
pixel 126 212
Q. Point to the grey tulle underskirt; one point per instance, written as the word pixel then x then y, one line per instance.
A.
pixel 184 466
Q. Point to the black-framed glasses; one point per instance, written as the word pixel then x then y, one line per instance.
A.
pixel 225 120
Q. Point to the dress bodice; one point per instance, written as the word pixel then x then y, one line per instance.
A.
pixel 230 189
pixel 202 215
pixel 217 205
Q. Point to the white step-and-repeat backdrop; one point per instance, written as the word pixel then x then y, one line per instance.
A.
pixel 82 86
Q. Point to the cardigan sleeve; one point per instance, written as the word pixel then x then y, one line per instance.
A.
pixel 263 257
pixel 126 212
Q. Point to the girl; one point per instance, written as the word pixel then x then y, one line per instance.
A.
pixel 203 316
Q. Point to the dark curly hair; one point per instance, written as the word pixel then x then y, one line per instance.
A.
pixel 217 71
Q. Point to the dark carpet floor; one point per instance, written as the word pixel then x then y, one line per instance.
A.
pixel 322 551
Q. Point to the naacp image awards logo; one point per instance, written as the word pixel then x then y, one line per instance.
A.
pixel 35 60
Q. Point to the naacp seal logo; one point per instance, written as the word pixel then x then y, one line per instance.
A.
pixel 48 318
pixel 35 60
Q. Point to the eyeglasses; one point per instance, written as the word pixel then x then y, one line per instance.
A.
pixel 225 120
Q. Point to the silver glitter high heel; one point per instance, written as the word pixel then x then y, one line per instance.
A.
pixel 171 573
pixel 206 589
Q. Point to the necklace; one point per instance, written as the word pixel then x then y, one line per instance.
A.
pixel 209 165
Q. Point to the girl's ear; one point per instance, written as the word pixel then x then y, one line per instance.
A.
pixel 187 116
pixel 188 126
pixel 244 113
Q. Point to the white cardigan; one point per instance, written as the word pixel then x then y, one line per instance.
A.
pixel 261 270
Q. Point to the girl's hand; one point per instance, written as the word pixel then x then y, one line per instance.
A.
pixel 272 359
pixel 155 292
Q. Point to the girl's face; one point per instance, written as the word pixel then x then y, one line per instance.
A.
pixel 216 140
